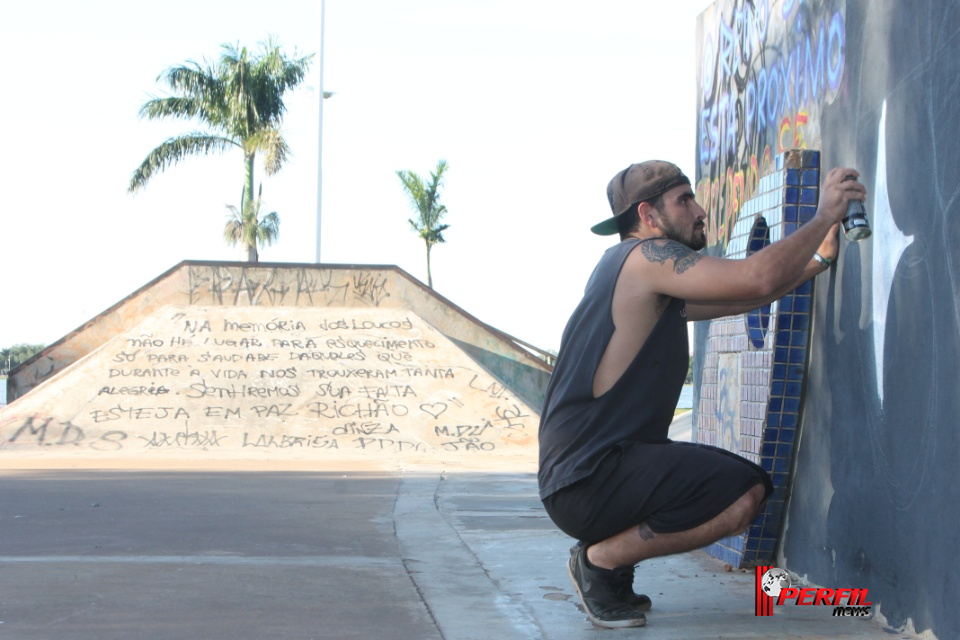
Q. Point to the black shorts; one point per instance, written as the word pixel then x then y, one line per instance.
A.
pixel 672 486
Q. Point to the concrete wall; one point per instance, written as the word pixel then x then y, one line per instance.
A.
pixel 872 84
pixel 279 363
pixel 284 285
pixel 198 383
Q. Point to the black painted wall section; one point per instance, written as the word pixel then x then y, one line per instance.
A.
pixel 877 484
pixel 873 84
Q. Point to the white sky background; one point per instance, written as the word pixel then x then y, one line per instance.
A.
pixel 534 104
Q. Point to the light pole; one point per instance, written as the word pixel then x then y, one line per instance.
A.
pixel 323 96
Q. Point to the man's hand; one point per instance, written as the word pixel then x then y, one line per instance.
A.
pixel 836 193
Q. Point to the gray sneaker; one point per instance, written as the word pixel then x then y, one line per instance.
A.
pixel 638 601
pixel 603 592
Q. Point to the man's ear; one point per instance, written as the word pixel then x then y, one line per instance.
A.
pixel 646 213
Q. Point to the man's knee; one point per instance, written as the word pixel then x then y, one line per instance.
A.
pixel 746 508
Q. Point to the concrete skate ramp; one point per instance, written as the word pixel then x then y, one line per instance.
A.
pixel 279 363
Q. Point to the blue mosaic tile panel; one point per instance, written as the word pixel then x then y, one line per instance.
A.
pixel 754 368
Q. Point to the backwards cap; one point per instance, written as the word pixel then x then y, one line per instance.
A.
pixel 635 184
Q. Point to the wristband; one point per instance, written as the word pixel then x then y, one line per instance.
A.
pixel 824 261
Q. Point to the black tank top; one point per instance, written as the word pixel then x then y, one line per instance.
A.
pixel 576 429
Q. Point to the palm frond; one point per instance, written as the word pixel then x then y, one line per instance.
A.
pixel 269 229
pixel 233 230
pixel 246 226
pixel 435 236
pixel 171 107
pixel 274 147
pixel 172 151
pixel 191 79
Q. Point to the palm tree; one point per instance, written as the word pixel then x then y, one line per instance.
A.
pixel 239 99
pixel 425 199
pixel 248 227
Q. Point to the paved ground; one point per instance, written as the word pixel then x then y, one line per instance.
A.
pixel 233 555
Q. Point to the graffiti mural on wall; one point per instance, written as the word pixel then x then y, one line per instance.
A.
pixel 767 69
pixel 231 379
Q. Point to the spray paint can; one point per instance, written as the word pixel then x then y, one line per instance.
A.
pixel 855 224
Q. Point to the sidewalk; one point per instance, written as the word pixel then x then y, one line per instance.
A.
pixel 240 554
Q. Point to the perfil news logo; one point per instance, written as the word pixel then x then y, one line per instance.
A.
pixel 774 585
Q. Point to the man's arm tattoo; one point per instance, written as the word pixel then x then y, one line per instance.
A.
pixel 683 257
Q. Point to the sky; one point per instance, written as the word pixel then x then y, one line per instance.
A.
pixel 535 105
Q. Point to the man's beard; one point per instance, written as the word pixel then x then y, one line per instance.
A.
pixel 696 239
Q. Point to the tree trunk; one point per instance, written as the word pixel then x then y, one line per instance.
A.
pixel 247 181
pixel 246 205
pixel 429 275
